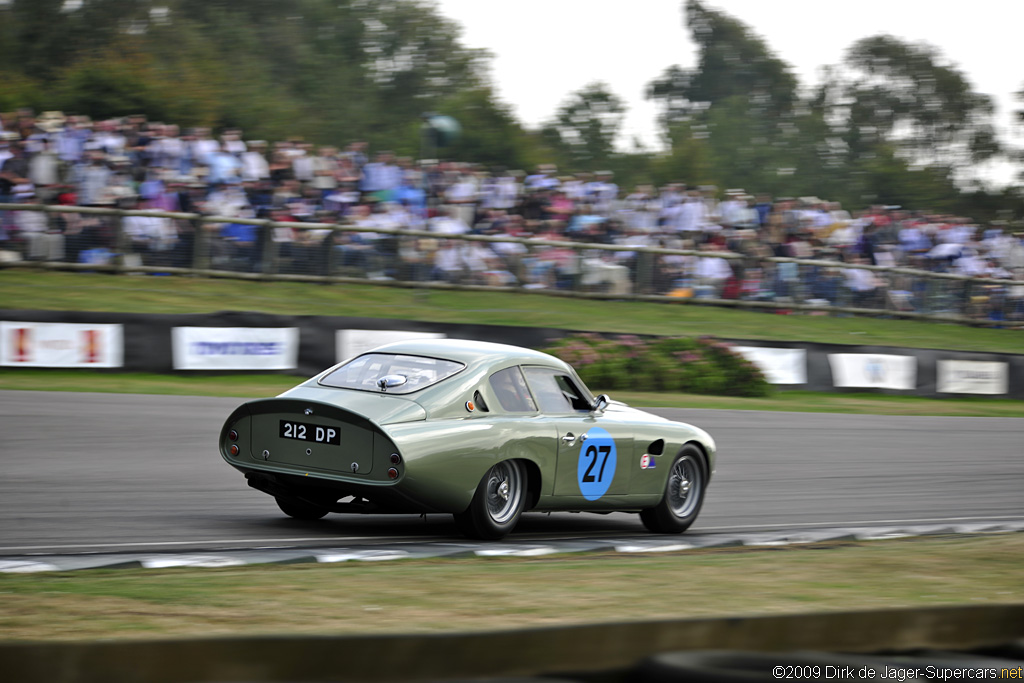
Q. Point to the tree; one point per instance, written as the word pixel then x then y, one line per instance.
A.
pixel 732 62
pixel 586 125
pixel 889 92
pixel 734 109
pixel 330 70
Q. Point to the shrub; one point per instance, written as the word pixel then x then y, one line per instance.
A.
pixel 696 366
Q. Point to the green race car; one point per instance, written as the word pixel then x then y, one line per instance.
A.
pixel 478 430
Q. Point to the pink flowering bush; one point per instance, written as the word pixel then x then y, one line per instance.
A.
pixel 696 366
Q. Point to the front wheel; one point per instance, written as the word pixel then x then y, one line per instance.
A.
pixel 684 494
pixel 300 510
pixel 497 503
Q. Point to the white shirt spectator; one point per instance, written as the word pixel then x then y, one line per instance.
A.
pixel 476 256
pixel 464 190
pixel 574 189
pixel 713 268
pixel 168 151
pixel 157 233
pixel 448 225
pixel 254 166
pixel 692 216
pixel 203 149
pixel 303 167
pixel 447 259
pixel 860 280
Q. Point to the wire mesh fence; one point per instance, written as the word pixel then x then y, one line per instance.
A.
pixel 106 239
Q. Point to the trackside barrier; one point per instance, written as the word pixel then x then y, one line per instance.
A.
pixel 577 652
pixel 149 346
pixel 254 249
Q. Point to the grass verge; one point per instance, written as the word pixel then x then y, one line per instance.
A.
pixel 36 290
pixel 421 595
pixel 257 386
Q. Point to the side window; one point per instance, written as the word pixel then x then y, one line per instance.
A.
pixel 555 392
pixel 547 391
pixel 573 394
pixel 510 388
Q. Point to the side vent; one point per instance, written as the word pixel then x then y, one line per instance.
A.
pixel 657 447
pixel 481 404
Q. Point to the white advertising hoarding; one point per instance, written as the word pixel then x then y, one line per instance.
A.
pixel 873 371
pixel 972 377
pixel 779 366
pixel 351 343
pixel 235 348
pixel 61 345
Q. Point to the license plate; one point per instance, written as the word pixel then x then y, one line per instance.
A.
pixel 303 431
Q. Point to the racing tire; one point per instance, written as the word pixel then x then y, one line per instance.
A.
pixel 497 504
pixel 684 494
pixel 298 509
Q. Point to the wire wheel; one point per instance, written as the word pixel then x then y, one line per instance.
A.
pixel 497 504
pixel 684 486
pixel 504 491
pixel 684 494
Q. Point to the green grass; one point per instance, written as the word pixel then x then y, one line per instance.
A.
pixel 256 386
pixel 38 290
pixel 467 595
pixel 470 595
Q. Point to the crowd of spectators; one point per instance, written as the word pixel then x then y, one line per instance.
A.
pixel 134 163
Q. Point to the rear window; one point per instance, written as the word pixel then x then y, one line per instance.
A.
pixel 402 374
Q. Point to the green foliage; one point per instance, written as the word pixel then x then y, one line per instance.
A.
pixel 689 157
pixel 732 63
pixel 726 120
pixel 894 123
pixel 696 366
pixel 20 91
pixel 331 70
pixel 490 133
pixel 890 92
pixel 736 63
pixel 586 125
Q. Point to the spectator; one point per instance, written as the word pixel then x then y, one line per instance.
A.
pixel 225 168
pixel 712 272
pixel 116 160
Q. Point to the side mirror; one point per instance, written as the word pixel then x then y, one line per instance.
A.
pixel 600 403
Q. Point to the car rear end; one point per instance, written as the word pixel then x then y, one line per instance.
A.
pixel 319 452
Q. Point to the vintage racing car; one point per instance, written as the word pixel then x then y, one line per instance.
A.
pixel 482 431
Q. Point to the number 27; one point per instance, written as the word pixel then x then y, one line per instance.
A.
pixel 592 452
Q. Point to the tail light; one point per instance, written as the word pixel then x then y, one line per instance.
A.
pixel 234 449
pixel 392 473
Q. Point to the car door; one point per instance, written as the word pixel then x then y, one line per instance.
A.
pixel 594 451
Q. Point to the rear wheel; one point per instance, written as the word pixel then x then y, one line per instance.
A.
pixel 684 494
pixel 497 503
pixel 300 509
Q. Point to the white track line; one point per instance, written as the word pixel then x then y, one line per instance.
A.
pixel 254 543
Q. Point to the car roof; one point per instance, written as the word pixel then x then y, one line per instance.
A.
pixel 470 352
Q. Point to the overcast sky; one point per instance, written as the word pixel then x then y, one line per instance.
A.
pixel 545 49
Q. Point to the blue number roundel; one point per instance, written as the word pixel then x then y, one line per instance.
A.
pixel 596 467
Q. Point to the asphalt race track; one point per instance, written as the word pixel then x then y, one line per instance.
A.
pixel 108 473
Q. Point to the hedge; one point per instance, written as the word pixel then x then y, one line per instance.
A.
pixel 703 365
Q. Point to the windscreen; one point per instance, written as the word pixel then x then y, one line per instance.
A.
pixel 402 374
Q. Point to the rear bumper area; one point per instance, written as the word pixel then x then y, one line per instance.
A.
pixel 336 496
